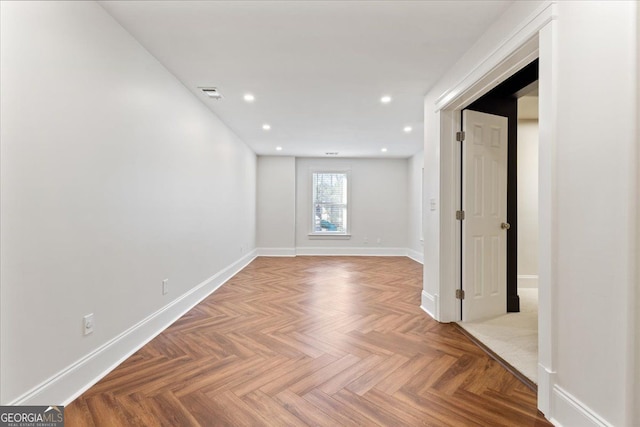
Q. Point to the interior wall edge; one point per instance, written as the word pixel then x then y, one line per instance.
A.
pixel 635 329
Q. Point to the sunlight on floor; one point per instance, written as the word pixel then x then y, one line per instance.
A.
pixel 513 336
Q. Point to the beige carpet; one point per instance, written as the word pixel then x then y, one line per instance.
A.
pixel 513 336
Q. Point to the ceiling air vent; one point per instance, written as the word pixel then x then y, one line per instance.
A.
pixel 331 153
pixel 211 92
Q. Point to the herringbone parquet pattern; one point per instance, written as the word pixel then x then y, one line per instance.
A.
pixel 327 341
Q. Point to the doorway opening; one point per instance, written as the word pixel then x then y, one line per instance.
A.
pixel 499 232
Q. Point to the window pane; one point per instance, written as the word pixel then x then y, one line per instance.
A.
pixel 330 202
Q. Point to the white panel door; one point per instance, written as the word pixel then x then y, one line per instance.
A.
pixel 484 200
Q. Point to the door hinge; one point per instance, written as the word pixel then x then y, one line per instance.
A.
pixel 460 215
pixel 459 294
pixel 460 136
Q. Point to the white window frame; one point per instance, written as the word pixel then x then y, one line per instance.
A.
pixel 346 234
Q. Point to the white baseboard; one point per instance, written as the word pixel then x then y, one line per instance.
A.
pixel 568 411
pixel 346 251
pixel 416 256
pixel 429 304
pixel 63 387
pixel 546 379
pixel 341 251
pixel 527 280
pixel 276 251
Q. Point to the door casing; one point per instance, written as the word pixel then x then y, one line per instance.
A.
pixel 449 309
pixel 535 39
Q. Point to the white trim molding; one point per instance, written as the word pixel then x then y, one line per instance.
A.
pixel 75 379
pixel 416 256
pixel 329 236
pixel 486 74
pixel 569 411
pixel 429 304
pixel 277 252
pixel 340 251
pixel 533 37
pixel 546 380
pixel 347 251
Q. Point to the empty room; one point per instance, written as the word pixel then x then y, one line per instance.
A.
pixel 293 213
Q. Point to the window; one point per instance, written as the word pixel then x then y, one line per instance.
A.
pixel 330 209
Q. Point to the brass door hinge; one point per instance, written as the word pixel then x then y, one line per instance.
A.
pixel 460 215
pixel 459 294
pixel 460 136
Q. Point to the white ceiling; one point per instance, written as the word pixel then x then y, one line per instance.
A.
pixel 317 69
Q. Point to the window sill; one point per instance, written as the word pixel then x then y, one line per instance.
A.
pixel 327 236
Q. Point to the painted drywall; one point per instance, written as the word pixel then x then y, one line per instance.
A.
pixel 276 205
pixel 415 236
pixel 592 174
pixel 113 178
pixel 527 203
pixel 377 206
pixel 636 308
pixel 595 177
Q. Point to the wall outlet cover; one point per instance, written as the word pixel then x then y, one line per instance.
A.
pixel 87 324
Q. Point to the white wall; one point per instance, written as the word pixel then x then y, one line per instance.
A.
pixel 595 194
pixel 415 240
pixel 590 166
pixel 113 177
pixel 276 205
pixel 377 207
pixel 527 203
pixel 636 309
pixel 384 204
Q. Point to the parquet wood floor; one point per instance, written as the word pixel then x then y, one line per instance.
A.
pixel 319 341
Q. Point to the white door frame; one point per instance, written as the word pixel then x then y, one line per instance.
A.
pixel 535 38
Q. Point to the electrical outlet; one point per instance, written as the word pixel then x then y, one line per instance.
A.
pixel 366 240
pixel 379 240
pixel 165 286
pixel 87 322
pixel 432 204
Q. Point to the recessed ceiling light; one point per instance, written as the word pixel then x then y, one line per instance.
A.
pixel 384 150
pixel 249 97
pixel 266 126
pixel 385 99
pixel 211 92
pixel 408 129
pixel 279 148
